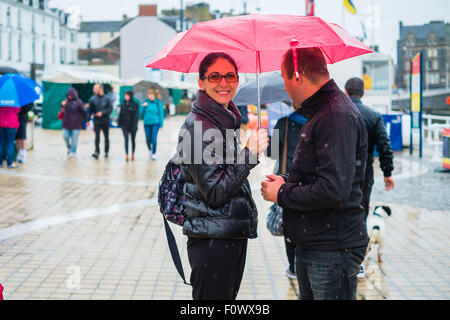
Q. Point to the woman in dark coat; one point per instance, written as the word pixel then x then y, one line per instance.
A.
pixel 72 122
pixel 128 121
pixel 221 214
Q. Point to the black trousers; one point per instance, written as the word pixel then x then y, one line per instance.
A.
pixel 132 134
pixel 367 190
pixel 217 267
pixel 105 128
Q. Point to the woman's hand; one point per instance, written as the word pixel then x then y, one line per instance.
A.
pixel 258 141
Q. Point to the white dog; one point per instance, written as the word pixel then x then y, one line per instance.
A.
pixel 376 228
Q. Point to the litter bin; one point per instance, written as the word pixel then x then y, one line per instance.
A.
pixel 446 148
pixel 393 124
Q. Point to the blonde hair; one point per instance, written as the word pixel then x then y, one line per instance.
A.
pixel 154 91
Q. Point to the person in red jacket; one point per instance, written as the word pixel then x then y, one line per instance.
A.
pixel 9 122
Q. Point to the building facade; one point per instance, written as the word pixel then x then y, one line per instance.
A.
pixel 32 33
pixel 433 40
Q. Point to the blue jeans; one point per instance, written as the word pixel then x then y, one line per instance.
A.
pixel 71 138
pixel 328 275
pixel 7 137
pixel 151 134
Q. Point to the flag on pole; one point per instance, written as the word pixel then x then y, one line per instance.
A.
pixel 310 7
pixel 348 4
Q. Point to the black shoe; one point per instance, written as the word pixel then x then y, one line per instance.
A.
pixel 106 155
pixel 95 155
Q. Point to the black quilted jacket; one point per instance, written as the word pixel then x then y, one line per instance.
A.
pixel 219 203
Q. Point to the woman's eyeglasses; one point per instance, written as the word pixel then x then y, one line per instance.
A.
pixel 216 77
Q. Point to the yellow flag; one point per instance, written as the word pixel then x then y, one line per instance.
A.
pixel 350 6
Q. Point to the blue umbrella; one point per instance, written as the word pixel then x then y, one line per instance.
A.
pixel 272 90
pixel 17 90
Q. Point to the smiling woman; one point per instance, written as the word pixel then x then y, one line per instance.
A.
pixel 220 212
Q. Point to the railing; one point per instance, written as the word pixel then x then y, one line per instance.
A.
pixel 433 127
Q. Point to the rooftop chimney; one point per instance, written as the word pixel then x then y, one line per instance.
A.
pixel 147 10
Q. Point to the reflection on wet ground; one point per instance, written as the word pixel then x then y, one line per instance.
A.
pixel 81 228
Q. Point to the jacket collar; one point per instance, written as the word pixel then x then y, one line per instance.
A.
pixel 356 100
pixel 311 105
pixel 228 118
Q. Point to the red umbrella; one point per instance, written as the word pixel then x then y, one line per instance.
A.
pixel 256 42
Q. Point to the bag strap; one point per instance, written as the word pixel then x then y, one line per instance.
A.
pixel 283 165
pixel 174 251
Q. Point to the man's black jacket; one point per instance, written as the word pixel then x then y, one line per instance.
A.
pixel 377 136
pixel 219 202
pixel 100 104
pixel 323 192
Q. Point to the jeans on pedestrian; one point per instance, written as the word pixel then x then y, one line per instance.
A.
pixel 151 134
pixel 7 136
pixel 71 138
pixel 328 275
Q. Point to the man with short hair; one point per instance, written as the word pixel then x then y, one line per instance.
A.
pixel 100 106
pixel 322 194
pixel 377 136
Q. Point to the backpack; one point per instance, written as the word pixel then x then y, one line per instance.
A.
pixel 171 202
pixel 171 198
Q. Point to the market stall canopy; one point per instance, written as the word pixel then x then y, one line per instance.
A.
pixel 78 75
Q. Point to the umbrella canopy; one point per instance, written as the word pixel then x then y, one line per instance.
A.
pixel 256 42
pixel 17 90
pixel 271 88
pixel 6 69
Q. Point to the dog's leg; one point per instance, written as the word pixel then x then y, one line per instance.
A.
pixel 380 247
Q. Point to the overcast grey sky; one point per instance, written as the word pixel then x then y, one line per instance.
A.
pixel 385 31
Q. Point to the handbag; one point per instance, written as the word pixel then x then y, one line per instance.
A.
pixel 61 114
pixel 274 220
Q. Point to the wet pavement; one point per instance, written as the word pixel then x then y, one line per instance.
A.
pixel 80 228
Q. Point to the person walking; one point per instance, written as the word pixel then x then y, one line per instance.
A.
pixel 288 130
pixel 128 121
pixel 72 121
pixel 9 122
pixel 100 108
pixel 21 134
pixel 378 137
pixel 152 112
pixel 220 212
pixel 321 198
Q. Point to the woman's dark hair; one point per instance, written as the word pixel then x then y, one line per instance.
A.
pixel 210 59
pixel 130 93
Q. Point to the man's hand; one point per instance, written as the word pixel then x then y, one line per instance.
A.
pixel 389 183
pixel 98 114
pixel 64 103
pixel 270 187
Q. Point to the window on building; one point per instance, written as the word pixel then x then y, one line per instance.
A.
pixel 33 50
pixel 8 16
pixel 33 23
pixel 30 3
pixel 53 53
pixel 432 53
pixel 41 4
pixel 1 44
pixel 378 71
pixel 433 78
pixel 44 53
pixel 19 48
pixel 19 19
pixel 9 46
pixel 53 29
